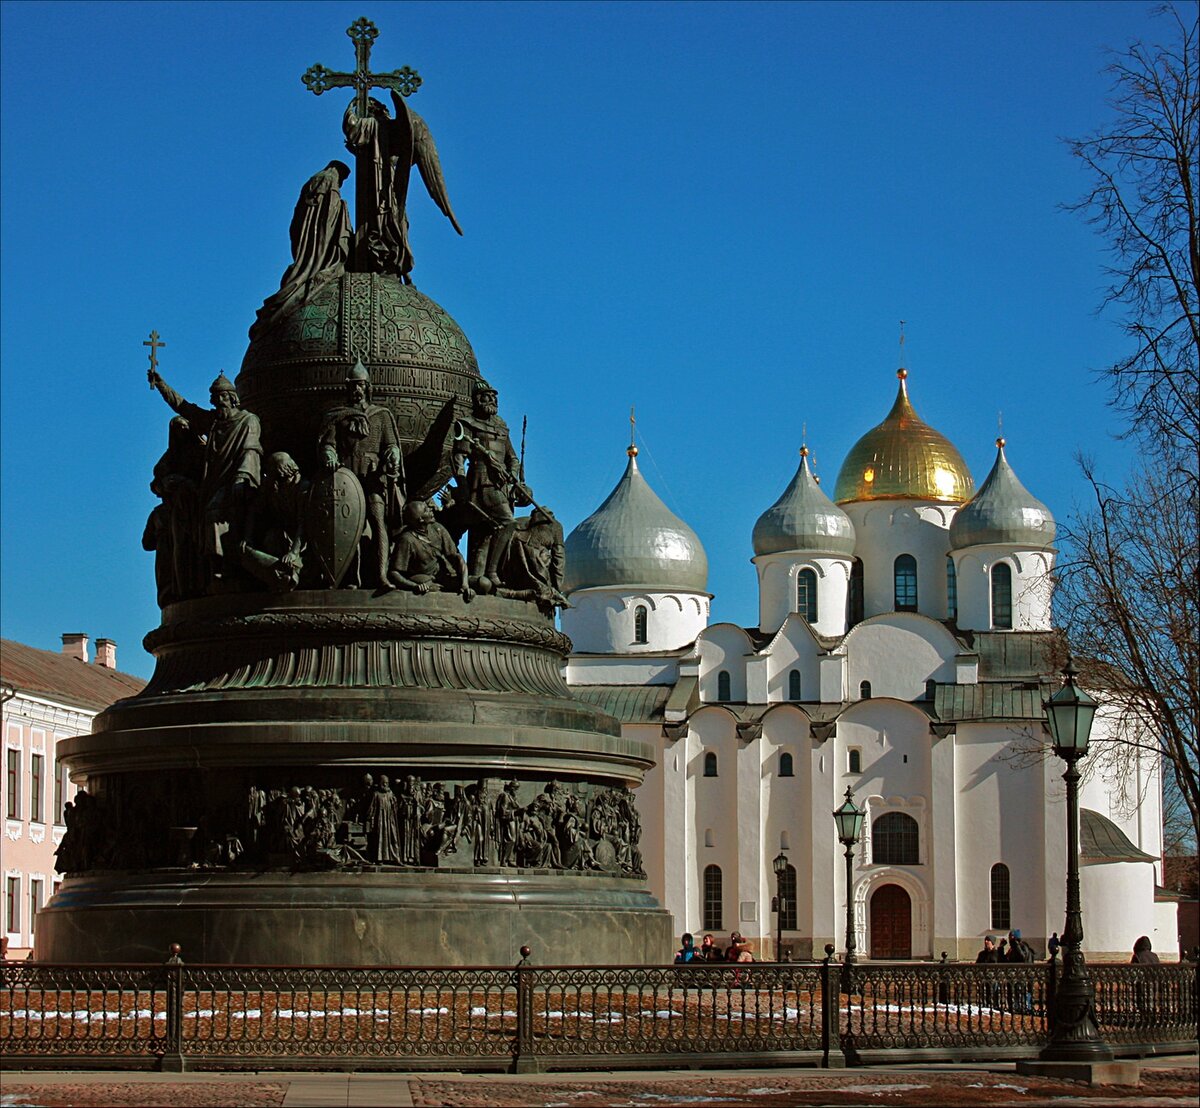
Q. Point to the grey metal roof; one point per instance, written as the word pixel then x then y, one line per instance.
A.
pixel 991 700
pixel 634 539
pixel 1002 511
pixel 1012 654
pixel 1100 838
pixel 804 518
pixel 628 703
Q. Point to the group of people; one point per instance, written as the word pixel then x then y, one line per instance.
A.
pixel 1013 949
pixel 232 516
pixel 738 950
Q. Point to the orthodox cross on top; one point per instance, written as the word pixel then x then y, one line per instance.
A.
pixel 363 34
pixel 155 347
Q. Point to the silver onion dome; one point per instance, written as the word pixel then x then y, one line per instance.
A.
pixel 804 518
pixel 1002 511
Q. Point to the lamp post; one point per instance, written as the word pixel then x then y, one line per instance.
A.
pixel 849 821
pixel 1074 1036
pixel 779 865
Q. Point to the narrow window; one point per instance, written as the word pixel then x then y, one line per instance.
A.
pixel 1001 898
pixel 854 761
pixel 930 689
pixel 60 790
pixel 854 599
pixel 712 898
pixel 806 595
pixel 12 905
pixel 710 764
pixel 785 765
pixel 36 765
pixel 723 693
pixel 951 588
pixel 641 618
pixel 35 903
pixel 864 690
pixel 1002 596
pixel 787 899
pixel 905 574
pixel 13 783
pixel 709 838
pixel 894 840
pixel 794 685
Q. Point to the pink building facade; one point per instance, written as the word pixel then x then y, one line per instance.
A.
pixel 46 696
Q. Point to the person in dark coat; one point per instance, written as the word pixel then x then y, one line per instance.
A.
pixel 1142 953
pixel 989 954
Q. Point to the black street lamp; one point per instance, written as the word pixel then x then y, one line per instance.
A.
pixel 779 865
pixel 849 820
pixel 1074 1036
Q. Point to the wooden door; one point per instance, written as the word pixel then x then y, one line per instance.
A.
pixel 891 923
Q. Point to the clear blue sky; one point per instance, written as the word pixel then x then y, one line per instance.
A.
pixel 717 212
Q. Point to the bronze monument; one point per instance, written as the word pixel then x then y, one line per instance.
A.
pixel 357 746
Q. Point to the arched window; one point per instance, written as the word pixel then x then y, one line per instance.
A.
pixel 794 685
pixel 641 617
pixel 905 575
pixel 787 895
pixel 951 588
pixel 864 690
pixel 806 595
pixel 1002 596
pixel 712 898
pixel 930 689
pixel 1001 898
pixel 785 765
pixel 854 598
pixel 710 764
pixel 895 840
pixel 854 761
pixel 723 693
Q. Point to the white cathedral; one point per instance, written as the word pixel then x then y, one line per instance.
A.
pixel 903 650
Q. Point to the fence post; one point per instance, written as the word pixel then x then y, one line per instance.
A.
pixel 171 1061
pixel 524 1058
pixel 831 999
pixel 1051 989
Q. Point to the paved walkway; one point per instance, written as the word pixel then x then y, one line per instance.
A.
pixel 1165 1082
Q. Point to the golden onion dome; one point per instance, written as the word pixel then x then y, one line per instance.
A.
pixel 904 459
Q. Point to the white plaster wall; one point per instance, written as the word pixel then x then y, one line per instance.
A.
pixel 723 647
pixel 715 808
pixel 793 648
pixel 786 805
pixel 897 653
pixel 1118 907
pixel 889 528
pixel 777 576
pixel 601 620
pixel 1032 586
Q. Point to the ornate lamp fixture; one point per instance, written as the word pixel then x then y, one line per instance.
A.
pixel 779 865
pixel 849 821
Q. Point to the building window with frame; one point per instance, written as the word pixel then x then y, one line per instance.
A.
pixel 930 689
pixel 641 624
pixel 1002 596
pixel 35 902
pixel 12 905
pixel 12 806
pixel 794 685
pixel 786 765
pixel 1001 898
pixel 806 595
pixel 713 897
pixel 854 760
pixel 710 764
pixel 37 764
pixel 724 693
pixel 895 840
pixel 864 690
pixel 904 572
pixel 787 893
pixel 951 588
pixel 60 793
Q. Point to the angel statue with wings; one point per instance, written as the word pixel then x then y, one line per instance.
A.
pixel 386 148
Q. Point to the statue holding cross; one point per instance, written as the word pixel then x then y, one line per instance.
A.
pixel 385 148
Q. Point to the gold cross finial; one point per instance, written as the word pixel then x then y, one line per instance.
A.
pixel 1000 429
pixel 633 450
pixel 902 343
pixel 155 345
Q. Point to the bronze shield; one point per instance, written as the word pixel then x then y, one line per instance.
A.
pixel 337 517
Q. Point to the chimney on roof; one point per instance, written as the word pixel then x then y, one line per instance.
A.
pixel 75 645
pixel 106 653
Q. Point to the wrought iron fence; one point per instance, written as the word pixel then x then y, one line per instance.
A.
pixel 177 1015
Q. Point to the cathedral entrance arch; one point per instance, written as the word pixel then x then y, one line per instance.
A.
pixel 891 922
